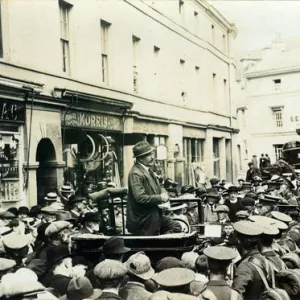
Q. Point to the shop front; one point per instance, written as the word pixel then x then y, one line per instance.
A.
pixel 12 118
pixel 92 148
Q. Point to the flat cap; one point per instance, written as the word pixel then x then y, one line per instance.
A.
pixel 7 215
pixel 281 216
pixel 242 213
pixel 56 227
pixel 16 241
pixel 6 264
pixel 248 228
pixel 220 253
pixel 168 263
pixel 222 208
pixel 139 264
pixel 110 269
pixel 174 277
pixel 190 258
pixel 49 210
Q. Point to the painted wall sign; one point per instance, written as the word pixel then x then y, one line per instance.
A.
pixel 90 120
pixel 11 111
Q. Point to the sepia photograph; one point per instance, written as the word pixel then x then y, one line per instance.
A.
pixel 149 150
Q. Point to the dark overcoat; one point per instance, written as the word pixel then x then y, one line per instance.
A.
pixel 143 214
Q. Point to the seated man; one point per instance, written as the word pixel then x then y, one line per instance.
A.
pixel 144 196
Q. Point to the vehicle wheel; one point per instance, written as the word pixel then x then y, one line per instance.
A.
pixel 186 228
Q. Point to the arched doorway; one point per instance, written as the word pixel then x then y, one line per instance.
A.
pixel 46 174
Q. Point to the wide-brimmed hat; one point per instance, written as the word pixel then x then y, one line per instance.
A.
pixel 281 217
pixel 114 245
pixel 16 241
pixel 177 206
pixel 35 210
pixel 248 228
pixel 6 264
pixel 6 215
pixel 233 188
pixel 49 210
pixel 139 265
pixel 212 192
pixel 81 288
pixel 187 189
pixel 51 197
pixel 142 148
pixel 220 253
pixel 66 189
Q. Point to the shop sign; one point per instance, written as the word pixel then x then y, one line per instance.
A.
pixel 90 120
pixel 150 127
pixel 161 152
pixel 11 111
pixel 191 132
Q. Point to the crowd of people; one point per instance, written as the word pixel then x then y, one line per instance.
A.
pixel 256 255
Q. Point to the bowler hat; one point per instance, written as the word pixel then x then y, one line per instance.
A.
pixel 114 245
pixel 212 192
pixel 81 288
pixel 23 210
pixel 233 188
pixel 139 265
pixel 142 148
pixel 57 253
pixel 51 197
pixel 13 210
pixel 35 210
pixel 92 217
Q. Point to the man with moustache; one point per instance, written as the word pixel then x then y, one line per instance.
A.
pixel 144 196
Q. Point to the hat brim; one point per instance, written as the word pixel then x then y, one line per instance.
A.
pixel 212 196
pixel 144 153
pixel 146 276
pixel 50 199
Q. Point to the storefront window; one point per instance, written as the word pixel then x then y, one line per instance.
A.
pixel 10 186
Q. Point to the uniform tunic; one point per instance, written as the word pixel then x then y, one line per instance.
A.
pixel 221 290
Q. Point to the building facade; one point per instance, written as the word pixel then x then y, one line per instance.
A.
pixel 269 113
pixel 82 81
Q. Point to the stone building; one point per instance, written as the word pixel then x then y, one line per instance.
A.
pixel 269 113
pixel 82 81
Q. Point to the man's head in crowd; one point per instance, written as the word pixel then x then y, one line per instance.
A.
pixel 5 218
pixel 233 193
pixel 240 181
pixel 23 212
pixel 59 260
pixel 251 165
pixel 228 229
pixel 246 187
pixel 110 274
pixel 92 221
pixel 66 191
pixel 212 196
pixel 49 214
pixel 222 211
pixel 214 182
pixel 58 232
pixel 144 153
pixel 77 204
pixel 35 212
pixel 114 248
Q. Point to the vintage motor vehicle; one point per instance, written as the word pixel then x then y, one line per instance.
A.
pixel 156 247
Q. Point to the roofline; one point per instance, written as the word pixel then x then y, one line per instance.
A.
pixel 265 73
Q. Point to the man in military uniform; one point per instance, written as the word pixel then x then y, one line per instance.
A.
pixel 247 280
pixel 219 258
pixel 144 196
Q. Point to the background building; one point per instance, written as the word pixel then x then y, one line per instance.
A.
pixel 73 72
pixel 269 112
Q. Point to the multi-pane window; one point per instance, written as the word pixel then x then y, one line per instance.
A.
pixel 277 113
pixel 64 10
pixel 278 150
pixel 193 150
pixel 104 50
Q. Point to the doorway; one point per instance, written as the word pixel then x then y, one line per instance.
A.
pixel 46 173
